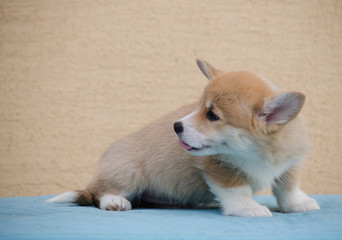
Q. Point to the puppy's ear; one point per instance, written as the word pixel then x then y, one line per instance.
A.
pixel 209 71
pixel 282 108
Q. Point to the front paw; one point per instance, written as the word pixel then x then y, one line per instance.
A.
pixel 251 211
pixel 300 205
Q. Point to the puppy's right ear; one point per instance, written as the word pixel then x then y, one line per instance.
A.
pixel 209 71
pixel 281 109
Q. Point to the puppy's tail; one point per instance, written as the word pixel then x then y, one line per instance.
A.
pixel 80 197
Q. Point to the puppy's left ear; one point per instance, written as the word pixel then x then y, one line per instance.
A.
pixel 209 71
pixel 282 108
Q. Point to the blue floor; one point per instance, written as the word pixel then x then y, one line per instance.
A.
pixel 32 218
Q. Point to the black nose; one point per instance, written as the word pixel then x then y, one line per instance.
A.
pixel 178 127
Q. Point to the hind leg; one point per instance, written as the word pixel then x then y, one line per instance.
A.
pixel 110 198
pixel 111 202
pixel 114 190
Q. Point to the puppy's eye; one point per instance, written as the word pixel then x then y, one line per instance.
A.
pixel 212 116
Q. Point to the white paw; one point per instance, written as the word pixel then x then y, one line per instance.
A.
pixel 260 211
pixel 111 202
pixel 256 210
pixel 301 205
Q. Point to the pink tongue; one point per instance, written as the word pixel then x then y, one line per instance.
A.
pixel 184 145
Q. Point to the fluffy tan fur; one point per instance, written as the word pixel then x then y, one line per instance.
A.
pixel 152 160
pixel 150 164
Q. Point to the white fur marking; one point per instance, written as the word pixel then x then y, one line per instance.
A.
pixel 67 197
pixel 295 201
pixel 190 135
pixel 243 153
pixel 238 201
pixel 112 202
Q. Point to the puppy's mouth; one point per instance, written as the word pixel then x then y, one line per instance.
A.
pixel 188 147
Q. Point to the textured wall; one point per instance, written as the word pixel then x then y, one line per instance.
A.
pixel 75 75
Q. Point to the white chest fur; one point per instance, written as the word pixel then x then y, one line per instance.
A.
pixel 261 172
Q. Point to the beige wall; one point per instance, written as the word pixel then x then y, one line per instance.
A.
pixel 76 75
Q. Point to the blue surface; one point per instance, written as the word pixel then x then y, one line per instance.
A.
pixel 32 218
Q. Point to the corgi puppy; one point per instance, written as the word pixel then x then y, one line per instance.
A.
pixel 243 135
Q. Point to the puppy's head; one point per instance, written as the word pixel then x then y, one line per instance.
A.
pixel 236 112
